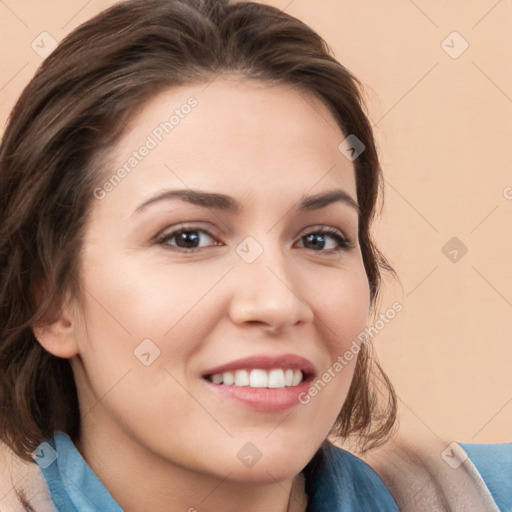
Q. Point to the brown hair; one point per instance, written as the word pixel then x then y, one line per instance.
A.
pixel 76 107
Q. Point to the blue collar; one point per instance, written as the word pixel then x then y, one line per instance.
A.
pixel 338 481
pixel 335 480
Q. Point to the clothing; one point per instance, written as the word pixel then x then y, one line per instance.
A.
pixel 348 484
pixel 494 464
pixel 335 481
pixel 427 473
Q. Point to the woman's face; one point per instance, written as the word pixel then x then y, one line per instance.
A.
pixel 163 310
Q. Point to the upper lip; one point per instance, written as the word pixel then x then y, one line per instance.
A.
pixel 266 362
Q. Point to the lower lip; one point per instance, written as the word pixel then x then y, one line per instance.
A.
pixel 263 399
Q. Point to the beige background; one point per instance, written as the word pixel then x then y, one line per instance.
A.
pixel 443 126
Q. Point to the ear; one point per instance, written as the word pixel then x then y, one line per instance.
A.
pixel 56 332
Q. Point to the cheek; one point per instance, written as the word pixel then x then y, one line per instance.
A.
pixel 139 313
pixel 344 308
pixel 138 299
pixel 341 315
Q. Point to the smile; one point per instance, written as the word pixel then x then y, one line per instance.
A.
pixel 258 378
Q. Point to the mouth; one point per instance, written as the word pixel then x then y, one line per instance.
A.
pixel 263 383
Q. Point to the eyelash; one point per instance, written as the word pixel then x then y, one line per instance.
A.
pixel 344 243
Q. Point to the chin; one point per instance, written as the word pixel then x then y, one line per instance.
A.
pixel 266 473
pixel 279 465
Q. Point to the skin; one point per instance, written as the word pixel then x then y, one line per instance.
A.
pixel 156 435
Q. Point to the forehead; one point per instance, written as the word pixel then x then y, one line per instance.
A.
pixel 249 137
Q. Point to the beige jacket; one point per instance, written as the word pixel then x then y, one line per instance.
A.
pixel 420 479
pixel 412 469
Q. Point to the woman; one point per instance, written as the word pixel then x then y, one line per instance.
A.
pixel 143 370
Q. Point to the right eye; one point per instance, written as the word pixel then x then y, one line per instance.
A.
pixel 186 239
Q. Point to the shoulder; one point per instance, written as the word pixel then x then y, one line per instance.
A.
pixel 349 464
pixel 428 473
pixel 338 480
pixel 494 465
pixel 22 487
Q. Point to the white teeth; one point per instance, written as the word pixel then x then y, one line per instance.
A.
pixel 228 378
pixel 241 378
pixel 217 378
pixel 257 378
pixel 276 379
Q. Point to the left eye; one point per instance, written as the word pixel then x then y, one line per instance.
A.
pixel 318 238
pixel 188 238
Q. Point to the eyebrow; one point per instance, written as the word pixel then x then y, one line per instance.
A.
pixel 227 203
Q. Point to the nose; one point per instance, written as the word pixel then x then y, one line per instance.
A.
pixel 267 292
